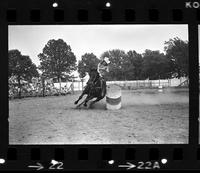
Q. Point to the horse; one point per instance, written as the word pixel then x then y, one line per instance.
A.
pixel 93 89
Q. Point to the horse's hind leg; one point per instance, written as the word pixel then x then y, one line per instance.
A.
pixel 93 102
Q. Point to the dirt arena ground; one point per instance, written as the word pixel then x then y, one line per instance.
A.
pixel 146 117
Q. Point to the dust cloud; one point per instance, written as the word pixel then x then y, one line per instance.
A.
pixel 154 97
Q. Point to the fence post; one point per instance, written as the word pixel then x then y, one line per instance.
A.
pixel 72 87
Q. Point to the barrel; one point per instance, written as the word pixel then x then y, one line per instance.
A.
pixel 113 97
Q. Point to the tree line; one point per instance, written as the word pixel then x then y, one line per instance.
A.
pixel 148 65
pixel 58 61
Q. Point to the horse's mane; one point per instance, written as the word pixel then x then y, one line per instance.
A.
pixel 93 71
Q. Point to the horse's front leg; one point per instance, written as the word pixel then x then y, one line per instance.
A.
pixel 84 102
pixel 87 99
pixel 80 97
pixel 80 104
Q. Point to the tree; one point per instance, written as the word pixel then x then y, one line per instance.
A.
pixel 116 57
pixel 21 67
pixel 177 54
pixel 133 65
pixel 88 61
pixel 155 65
pixel 57 60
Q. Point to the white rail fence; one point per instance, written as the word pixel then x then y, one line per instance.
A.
pixel 36 89
pixel 78 85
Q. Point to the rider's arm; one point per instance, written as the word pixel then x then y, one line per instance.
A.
pixel 98 67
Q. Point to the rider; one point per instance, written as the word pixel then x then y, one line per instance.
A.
pixel 102 68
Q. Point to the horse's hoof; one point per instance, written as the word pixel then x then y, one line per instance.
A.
pixel 75 102
pixel 85 105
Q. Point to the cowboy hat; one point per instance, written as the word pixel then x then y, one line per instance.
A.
pixel 106 59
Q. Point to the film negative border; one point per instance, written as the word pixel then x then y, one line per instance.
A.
pixel 101 157
pixel 92 11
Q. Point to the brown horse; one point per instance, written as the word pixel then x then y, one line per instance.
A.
pixel 93 89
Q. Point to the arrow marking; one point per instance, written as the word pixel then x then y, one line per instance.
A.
pixel 129 166
pixel 38 166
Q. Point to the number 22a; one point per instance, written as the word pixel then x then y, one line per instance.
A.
pixel 148 165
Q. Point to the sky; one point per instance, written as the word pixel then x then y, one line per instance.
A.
pixel 31 39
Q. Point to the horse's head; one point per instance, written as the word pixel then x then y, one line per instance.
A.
pixel 94 75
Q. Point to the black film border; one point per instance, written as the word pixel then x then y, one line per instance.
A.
pixel 92 157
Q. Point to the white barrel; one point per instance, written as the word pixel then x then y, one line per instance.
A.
pixel 113 97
